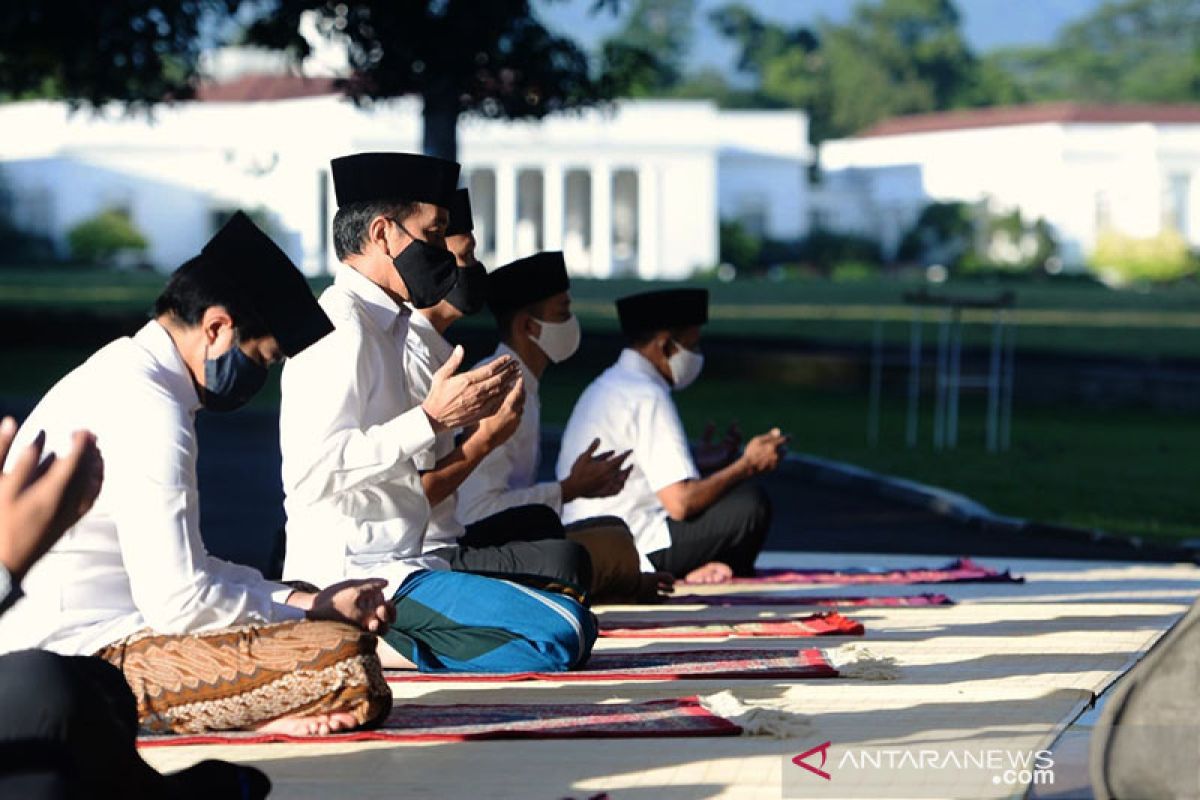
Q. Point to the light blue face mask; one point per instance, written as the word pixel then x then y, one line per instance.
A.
pixel 231 379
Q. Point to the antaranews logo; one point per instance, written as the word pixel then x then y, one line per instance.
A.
pixel 823 749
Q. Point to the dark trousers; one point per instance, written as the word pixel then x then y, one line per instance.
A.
pixel 731 530
pixel 67 729
pixel 526 542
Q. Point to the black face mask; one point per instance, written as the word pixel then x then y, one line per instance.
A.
pixel 231 379
pixel 470 293
pixel 428 272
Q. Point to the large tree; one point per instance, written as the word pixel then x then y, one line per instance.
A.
pixel 646 56
pixel 1126 51
pixel 492 57
pixel 892 57
pixel 139 52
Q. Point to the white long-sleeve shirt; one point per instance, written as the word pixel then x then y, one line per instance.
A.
pixel 348 432
pixel 629 407
pixel 506 476
pixel 136 560
pixel 426 351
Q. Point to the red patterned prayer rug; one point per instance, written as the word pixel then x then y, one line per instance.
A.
pixel 409 722
pixel 673 666
pixel 756 599
pixel 961 570
pixel 827 624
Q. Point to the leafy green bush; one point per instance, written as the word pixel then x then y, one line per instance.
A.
pixel 853 271
pixel 1122 259
pixel 104 237
pixel 825 249
pixel 739 247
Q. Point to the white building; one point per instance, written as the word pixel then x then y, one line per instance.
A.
pixel 634 189
pixel 1132 169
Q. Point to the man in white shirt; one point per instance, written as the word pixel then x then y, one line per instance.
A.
pixel 517 542
pixel 132 582
pixel 531 301
pixel 705 529
pixel 356 502
pixel 69 723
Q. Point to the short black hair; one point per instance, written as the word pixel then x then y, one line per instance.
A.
pixel 351 221
pixel 505 317
pixel 196 287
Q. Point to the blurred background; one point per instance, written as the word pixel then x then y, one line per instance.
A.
pixel 954 242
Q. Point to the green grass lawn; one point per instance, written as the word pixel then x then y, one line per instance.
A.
pixel 1059 316
pixel 1129 472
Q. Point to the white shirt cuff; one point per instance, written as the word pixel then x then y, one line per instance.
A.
pixel 409 433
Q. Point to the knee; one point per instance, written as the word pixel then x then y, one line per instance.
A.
pixel 539 518
pixel 567 640
pixel 41 689
pixel 572 563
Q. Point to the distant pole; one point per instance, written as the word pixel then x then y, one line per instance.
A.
pixel 1009 371
pixel 993 383
pixel 955 378
pixel 941 382
pixel 876 384
pixel 914 377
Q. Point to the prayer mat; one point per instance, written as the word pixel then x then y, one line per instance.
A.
pixel 961 570
pixel 673 666
pixel 748 599
pixel 828 624
pixel 457 723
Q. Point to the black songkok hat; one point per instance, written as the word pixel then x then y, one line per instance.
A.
pixel 245 258
pixel 527 281
pixel 662 310
pixel 460 214
pixel 393 177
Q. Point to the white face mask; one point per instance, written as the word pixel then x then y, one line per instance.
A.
pixel 685 366
pixel 559 340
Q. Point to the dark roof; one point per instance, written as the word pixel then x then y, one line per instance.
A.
pixel 252 88
pixel 1034 114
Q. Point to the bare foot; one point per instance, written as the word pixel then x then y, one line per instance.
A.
pixel 316 725
pixel 712 572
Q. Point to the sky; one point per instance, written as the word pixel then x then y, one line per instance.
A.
pixel 988 24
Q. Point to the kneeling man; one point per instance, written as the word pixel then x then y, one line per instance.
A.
pixel 705 529
pixel 203 643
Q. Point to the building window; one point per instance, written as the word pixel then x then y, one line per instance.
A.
pixel 482 185
pixel 625 220
pixel 577 221
pixel 530 219
pixel 1176 209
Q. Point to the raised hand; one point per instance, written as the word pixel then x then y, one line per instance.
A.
pixel 41 501
pixel 764 452
pixel 357 602
pixel 456 401
pixel 499 427
pixel 596 474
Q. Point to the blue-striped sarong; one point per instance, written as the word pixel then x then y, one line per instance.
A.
pixel 459 622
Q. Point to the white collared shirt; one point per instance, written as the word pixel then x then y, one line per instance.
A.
pixel 629 407
pixel 348 432
pixel 136 560
pixel 426 351
pixel 506 476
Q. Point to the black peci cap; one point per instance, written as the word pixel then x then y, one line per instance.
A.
pixel 662 310
pixel 245 258
pixel 394 177
pixel 527 281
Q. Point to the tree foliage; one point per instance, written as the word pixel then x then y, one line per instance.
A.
pixel 1125 51
pixel 646 57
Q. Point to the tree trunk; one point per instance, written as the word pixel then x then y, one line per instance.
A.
pixel 440 117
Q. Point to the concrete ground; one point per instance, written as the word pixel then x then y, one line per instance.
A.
pixel 996 678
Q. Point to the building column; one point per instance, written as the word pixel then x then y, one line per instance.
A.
pixel 649 259
pixel 601 250
pixel 506 213
pixel 553 207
